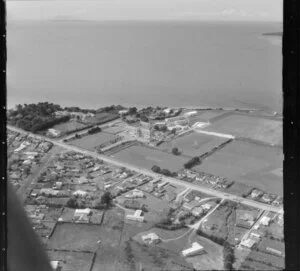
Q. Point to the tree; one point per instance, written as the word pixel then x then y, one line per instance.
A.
pixel 166 172
pixel 156 169
pixel 106 198
pixel 132 110
pixel 175 151
pixel 72 202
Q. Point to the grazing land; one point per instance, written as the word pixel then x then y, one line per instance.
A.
pixel 146 157
pixel 262 129
pixel 193 144
pixel 247 163
pixel 89 142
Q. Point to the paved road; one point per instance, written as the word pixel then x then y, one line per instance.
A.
pixel 119 163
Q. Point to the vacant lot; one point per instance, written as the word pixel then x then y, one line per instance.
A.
pixel 239 189
pixel 68 126
pixel 73 236
pixel 72 261
pixel 91 141
pixel 261 129
pixel 211 259
pixel 193 144
pixel 248 163
pixel 207 115
pixel 145 158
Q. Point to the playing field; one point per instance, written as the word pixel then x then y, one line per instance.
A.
pixel 146 157
pixel 89 142
pixel 261 129
pixel 68 126
pixel 249 163
pixel 194 144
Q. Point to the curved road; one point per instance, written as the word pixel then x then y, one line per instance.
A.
pixel 119 163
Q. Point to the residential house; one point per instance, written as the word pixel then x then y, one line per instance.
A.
pixel 137 216
pixel 248 243
pixel 195 249
pixel 197 211
pixel 151 238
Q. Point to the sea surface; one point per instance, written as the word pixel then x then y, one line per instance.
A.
pixel 190 64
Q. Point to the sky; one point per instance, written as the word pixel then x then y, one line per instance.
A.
pixel 216 10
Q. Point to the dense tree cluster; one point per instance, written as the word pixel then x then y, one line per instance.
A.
pixel 165 172
pixel 36 117
pixel 194 161
pixel 175 151
pixel 94 130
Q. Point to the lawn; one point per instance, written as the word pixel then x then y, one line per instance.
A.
pixel 72 261
pixel 69 126
pixel 89 142
pixel 247 163
pixel 262 129
pixel 193 144
pixel 144 157
pixel 73 236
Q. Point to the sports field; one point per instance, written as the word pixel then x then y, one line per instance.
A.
pixel 193 144
pixel 146 157
pixel 262 129
pixel 89 142
pixel 68 126
pixel 249 163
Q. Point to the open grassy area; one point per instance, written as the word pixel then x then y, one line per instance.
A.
pixel 89 142
pixel 248 163
pixel 68 127
pixel 261 129
pixel 193 144
pixel 73 236
pixel 72 261
pixel 146 157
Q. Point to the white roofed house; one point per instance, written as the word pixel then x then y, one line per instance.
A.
pixel 54 132
pixel 195 249
pixel 137 216
pixel 56 265
pixel 82 215
pixel 151 238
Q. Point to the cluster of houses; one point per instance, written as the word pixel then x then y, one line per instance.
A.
pixel 192 176
pixel 74 115
pixel 160 189
pixel 259 195
pixel 26 151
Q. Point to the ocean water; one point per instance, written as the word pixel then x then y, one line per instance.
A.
pixel 190 64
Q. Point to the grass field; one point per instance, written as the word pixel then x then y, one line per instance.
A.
pixel 73 261
pixel 193 144
pixel 73 236
pixel 89 142
pixel 146 157
pixel 261 129
pixel 247 163
pixel 68 126
pixel 211 259
pixel 270 260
